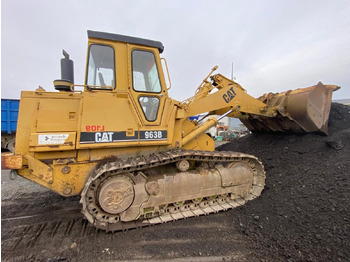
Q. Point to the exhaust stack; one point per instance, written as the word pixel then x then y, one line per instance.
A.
pixel 67 74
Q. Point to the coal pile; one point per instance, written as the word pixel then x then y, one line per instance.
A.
pixel 303 213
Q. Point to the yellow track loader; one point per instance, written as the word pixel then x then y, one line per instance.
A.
pixel 132 152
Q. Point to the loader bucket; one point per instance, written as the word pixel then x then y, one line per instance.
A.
pixel 298 111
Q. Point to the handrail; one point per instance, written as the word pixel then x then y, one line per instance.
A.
pixel 166 66
pixel 87 86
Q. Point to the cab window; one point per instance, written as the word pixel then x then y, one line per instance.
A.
pixel 145 72
pixel 149 107
pixel 101 69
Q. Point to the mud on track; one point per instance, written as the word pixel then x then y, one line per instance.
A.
pixel 42 226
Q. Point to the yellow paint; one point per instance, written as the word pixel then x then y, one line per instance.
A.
pixel 111 123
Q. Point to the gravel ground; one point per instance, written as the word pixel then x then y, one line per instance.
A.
pixel 303 214
pixel 19 186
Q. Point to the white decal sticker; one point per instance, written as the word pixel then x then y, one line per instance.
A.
pixel 153 134
pixel 104 137
pixel 52 139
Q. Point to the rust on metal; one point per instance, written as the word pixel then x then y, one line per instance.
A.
pixel 9 161
pixel 39 169
pixel 301 110
pixel 65 169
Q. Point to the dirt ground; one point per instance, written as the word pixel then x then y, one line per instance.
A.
pixel 302 215
pixel 38 225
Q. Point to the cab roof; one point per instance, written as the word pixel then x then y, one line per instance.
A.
pixel 126 39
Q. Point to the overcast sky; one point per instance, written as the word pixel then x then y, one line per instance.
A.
pixel 274 45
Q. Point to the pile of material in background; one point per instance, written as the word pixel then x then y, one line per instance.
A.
pixel 304 212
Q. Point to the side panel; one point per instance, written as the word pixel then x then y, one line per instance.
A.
pixel 47 121
pixel 57 115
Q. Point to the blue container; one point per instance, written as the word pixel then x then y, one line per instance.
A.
pixel 9 115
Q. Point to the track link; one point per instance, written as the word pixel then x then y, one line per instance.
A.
pixel 172 211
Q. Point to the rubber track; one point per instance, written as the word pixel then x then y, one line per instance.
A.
pixel 167 157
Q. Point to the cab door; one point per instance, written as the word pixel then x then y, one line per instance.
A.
pixel 148 92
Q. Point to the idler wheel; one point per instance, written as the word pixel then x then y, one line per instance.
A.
pixel 183 165
pixel 116 194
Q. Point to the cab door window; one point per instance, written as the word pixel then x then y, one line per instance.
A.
pixel 145 72
pixel 149 107
pixel 101 69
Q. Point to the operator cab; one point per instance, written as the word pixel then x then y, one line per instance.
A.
pixel 108 57
pixel 125 93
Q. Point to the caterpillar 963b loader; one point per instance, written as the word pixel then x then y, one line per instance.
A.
pixel 132 152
